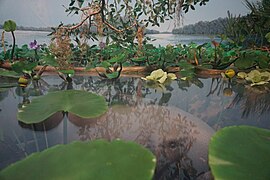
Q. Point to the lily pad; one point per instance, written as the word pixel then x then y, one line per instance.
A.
pixel 8 85
pixel 240 152
pixel 7 73
pixel 255 77
pixel 81 103
pixel 9 26
pixel 99 159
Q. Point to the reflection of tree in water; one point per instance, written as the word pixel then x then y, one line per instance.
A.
pixel 169 132
pixel 120 91
pixel 252 100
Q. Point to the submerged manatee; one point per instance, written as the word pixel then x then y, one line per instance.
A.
pixel 178 139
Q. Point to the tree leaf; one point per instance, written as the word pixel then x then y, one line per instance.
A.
pixel 81 103
pixel 98 159
pixel 240 152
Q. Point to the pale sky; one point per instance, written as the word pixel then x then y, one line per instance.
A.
pixel 46 13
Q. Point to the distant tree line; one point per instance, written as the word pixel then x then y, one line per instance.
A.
pixel 216 26
pixel 23 28
pixel 150 31
pixel 48 29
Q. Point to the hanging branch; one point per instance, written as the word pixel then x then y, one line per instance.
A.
pixel 83 20
pixel 120 30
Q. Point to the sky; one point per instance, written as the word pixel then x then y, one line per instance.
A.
pixel 47 13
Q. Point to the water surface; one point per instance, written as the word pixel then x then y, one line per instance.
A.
pixel 175 123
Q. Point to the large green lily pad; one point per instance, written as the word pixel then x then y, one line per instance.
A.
pixel 99 159
pixel 8 73
pixel 81 103
pixel 240 152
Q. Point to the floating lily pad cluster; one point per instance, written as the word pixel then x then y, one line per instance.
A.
pixel 99 159
pixel 81 103
pixel 255 77
pixel 160 76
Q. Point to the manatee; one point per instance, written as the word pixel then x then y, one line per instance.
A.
pixel 177 138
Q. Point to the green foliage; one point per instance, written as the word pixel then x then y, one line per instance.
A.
pixel 240 152
pixel 267 36
pixel 86 160
pixel 120 19
pixel 9 26
pixel 7 73
pixel 252 58
pixel 81 103
pixel 187 71
pixel 250 30
pixel 21 67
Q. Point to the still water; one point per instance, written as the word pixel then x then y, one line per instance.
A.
pixel 175 123
pixel 25 37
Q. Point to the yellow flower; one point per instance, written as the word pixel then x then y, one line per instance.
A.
pixel 160 76
pixel 23 81
pixel 229 73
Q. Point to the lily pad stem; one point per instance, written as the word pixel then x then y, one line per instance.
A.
pixel 13 46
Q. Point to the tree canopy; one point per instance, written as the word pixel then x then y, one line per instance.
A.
pixel 123 20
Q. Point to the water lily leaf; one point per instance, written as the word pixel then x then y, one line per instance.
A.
pixel 7 73
pixel 9 26
pixel 70 72
pixel 265 76
pixel 245 62
pixel 267 36
pixel 240 152
pixel 8 85
pixel 242 75
pixel 23 66
pixel 81 103
pixel 99 159
pixel 112 75
pixel 171 76
pixel 258 83
pixel 258 78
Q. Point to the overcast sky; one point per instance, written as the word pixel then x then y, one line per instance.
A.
pixel 44 13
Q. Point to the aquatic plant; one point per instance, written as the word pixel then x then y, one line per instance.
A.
pixel 81 103
pixel 98 159
pixel 229 73
pixel 8 73
pixel 160 76
pixel 250 30
pixel 267 36
pixel 10 26
pixel 255 77
pixel 35 46
pixel 240 152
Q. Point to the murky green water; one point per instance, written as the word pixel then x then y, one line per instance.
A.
pixel 175 123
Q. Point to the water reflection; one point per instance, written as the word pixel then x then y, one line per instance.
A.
pixel 178 139
pixel 161 121
pixel 46 125
pixel 253 100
